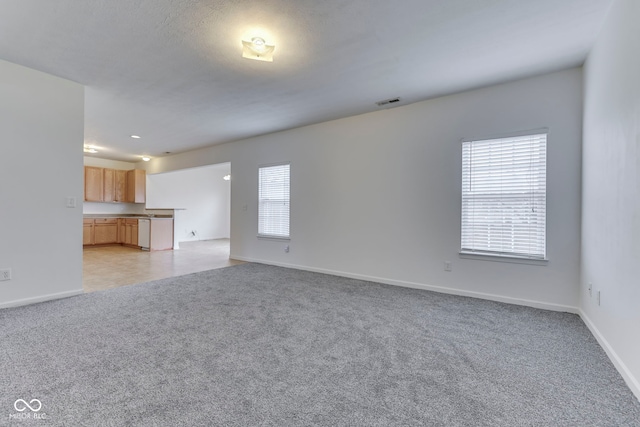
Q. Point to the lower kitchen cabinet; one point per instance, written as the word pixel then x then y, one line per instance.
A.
pixel 87 232
pixel 105 231
pixel 109 231
pixel 124 231
pixel 130 232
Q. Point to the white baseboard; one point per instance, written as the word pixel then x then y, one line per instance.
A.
pixel 626 374
pixel 42 298
pixel 452 291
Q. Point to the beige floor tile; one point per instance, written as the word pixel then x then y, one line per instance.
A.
pixel 113 266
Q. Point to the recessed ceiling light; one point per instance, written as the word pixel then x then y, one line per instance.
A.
pixel 146 159
pixel 135 136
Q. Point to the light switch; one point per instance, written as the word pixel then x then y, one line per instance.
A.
pixel 71 202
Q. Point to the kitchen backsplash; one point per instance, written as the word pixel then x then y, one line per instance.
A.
pixel 112 208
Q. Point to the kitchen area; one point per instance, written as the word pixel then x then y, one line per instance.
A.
pixel 134 223
pixel 134 226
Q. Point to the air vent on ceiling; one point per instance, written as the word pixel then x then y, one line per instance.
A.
pixel 387 101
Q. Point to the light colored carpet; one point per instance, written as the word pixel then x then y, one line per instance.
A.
pixel 253 345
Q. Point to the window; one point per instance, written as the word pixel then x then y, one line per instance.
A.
pixel 504 196
pixel 273 201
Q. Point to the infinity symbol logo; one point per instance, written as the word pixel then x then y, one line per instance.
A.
pixel 24 405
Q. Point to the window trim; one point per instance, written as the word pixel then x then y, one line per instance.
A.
pixel 507 256
pixel 272 236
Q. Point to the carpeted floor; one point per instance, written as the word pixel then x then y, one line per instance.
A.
pixel 255 345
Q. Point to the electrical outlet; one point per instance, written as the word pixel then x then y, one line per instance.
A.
pixel 598 297
pixel 286 249
pixel 5 274
pixel 71 202
pixel 447 266
pixel 590 289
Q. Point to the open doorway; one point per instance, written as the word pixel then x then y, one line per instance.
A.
pixel 200 198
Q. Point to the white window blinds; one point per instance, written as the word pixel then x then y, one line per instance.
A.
pixel 504 196
pixel 273 201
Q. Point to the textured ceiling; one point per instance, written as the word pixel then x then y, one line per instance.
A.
pixel 172 72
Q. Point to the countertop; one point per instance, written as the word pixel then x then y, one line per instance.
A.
pixel 138 216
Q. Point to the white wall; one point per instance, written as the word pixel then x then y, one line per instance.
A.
pixel 202 193
pixel 611 189
pixel 111 208
pixel 378 195
pixel 41 129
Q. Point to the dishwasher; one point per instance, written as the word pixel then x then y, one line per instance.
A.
pixel 144 233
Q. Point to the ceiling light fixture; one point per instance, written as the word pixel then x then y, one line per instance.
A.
pixel 226 177
pixel 90 149
pixel 146 158
pixel 135 136
pixel 257 49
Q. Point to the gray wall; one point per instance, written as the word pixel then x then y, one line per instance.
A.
pixel 41 129
pixel 202 193
pixel 611 190
pixel 378 195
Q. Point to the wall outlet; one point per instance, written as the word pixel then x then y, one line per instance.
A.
pixel 447 266
pixel 5 274
pixel 590 289
pixel 286 249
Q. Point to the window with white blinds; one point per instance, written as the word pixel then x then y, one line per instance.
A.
pixel 504 196
pixel 273 201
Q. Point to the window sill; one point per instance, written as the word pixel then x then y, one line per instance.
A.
pixel 503 258
pixel 265 237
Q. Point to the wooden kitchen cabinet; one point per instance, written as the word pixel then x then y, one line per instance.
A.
pixel 87 232
pixel 93 184
pixel 108 185
pixel 120 185
pixel 130 232
pixel 124 231
pixel 105 231
pixel 114 185
pixel 121 230
pixel 136 186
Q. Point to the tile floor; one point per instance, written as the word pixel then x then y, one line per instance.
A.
pixel 113 266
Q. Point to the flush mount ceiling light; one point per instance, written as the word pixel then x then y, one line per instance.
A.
pixel 257 49
pixel 135 136
pixel 90 149
pixel 146 158
pixel 226 177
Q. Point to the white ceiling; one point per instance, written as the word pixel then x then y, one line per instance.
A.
pixel 172 72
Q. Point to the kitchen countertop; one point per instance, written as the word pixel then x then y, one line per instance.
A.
pixel 138 216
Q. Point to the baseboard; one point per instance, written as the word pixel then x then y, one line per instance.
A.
pixel 42 298
pixel 626 374
pixel 452 291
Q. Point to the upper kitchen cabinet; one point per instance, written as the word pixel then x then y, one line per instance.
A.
pixel 114 185
pixel 93 184
pixel 136 186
